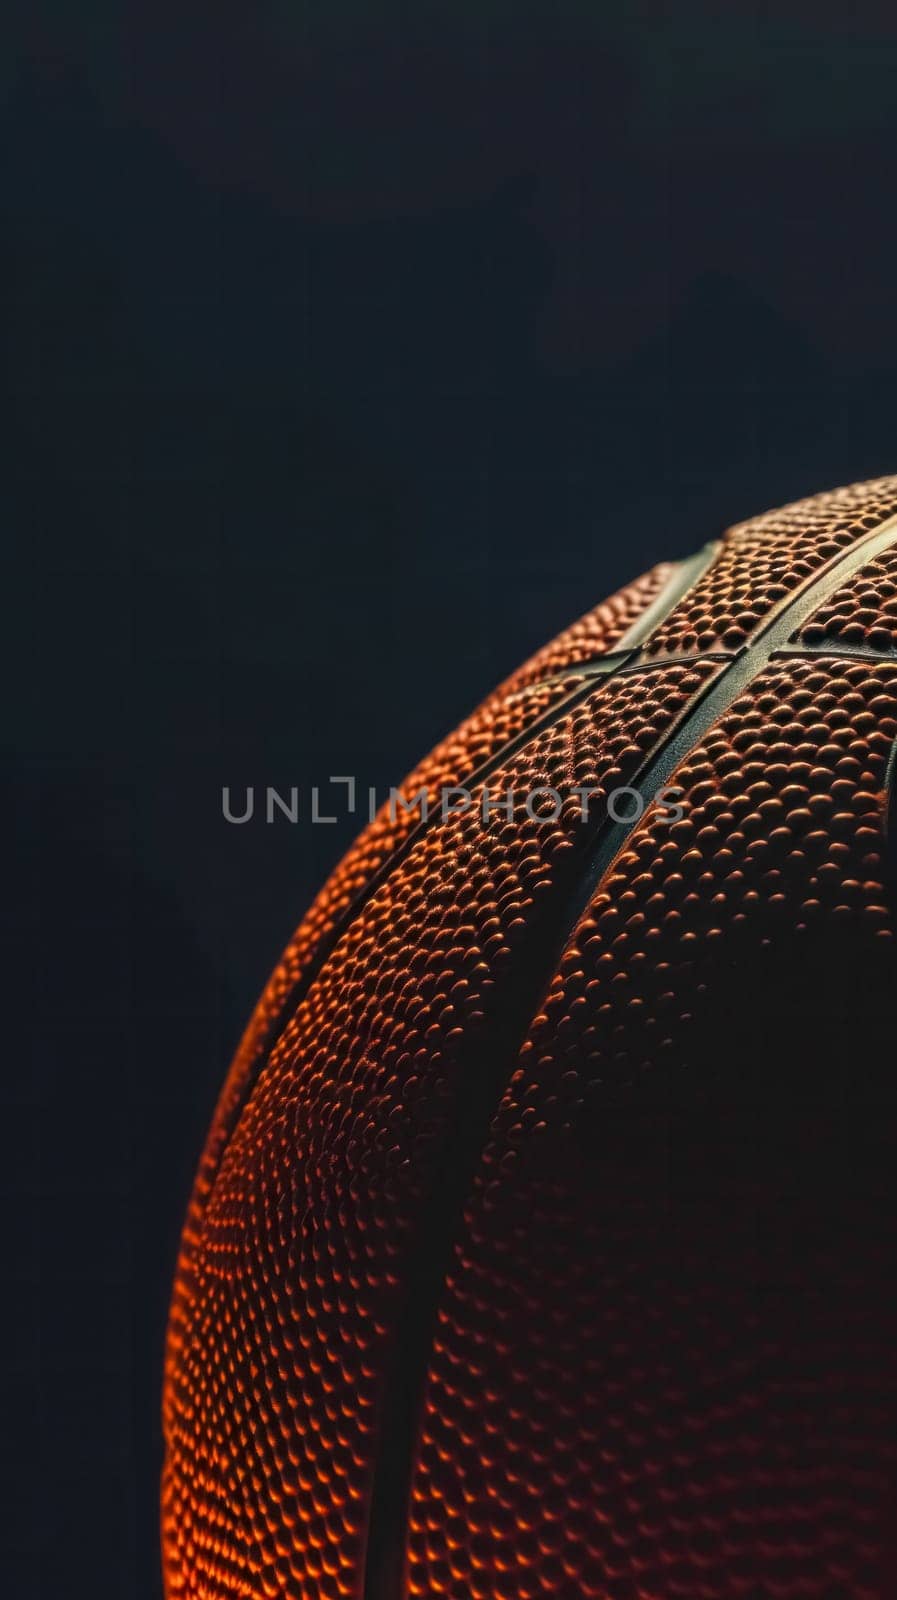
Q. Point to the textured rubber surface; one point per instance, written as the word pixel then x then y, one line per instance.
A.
pixel 863 613
pixel 544 1242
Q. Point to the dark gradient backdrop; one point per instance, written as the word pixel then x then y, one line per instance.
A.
pixel 352 349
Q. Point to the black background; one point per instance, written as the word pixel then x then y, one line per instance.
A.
pixel 352 350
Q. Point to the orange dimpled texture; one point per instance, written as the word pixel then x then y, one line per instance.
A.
pixel 545 1239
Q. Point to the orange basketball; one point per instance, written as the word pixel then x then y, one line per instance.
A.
pixel 544 1239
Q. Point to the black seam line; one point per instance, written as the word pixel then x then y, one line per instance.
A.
pixel 399 852
pixel 488 1061
pixel 843 651
pixel 685 574
pixel 453 1169
pixel 637 661
pixel 890 822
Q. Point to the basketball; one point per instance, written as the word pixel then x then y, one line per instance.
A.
pixel 544 1241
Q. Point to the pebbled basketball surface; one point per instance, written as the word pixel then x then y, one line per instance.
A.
pixel 544 1239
